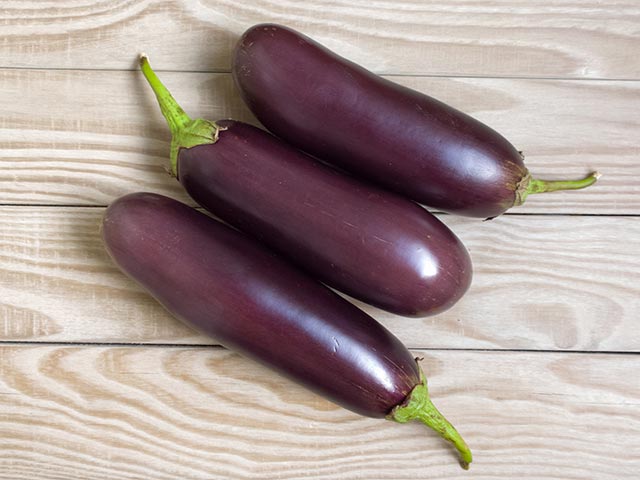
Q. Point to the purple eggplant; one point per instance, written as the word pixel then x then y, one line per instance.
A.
pixel 226 285
pixel 399 138
pixel 371 244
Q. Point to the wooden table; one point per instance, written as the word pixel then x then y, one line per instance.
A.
pixel 537 365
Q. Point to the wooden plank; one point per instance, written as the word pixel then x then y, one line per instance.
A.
pixel 101 134
pixel 563 38
pixel 540 282
pixel 133 413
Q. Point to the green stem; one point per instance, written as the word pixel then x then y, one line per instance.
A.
pixel 530 185
pixel 174 114
pixel 185 132
pixel 419 406
pixel 541 186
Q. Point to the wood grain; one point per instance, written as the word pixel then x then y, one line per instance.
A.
pixel 134 413
pixel 84 138
pixel 561 38
pixel 540 282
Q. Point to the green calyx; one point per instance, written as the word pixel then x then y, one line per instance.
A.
pixel 185 132
pixel 418 406
pixel 529 185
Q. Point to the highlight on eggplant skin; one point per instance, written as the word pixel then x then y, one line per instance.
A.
pixel 227 286
pixel 399 138
pixel 371 244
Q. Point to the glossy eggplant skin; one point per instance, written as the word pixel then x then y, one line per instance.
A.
pixel 399 138
pixel 226 285
pixel 371 244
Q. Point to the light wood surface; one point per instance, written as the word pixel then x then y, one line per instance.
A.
pixel 537 366
pixel 540 38
pixel 101 134
pixel 166 413
pixel 540 282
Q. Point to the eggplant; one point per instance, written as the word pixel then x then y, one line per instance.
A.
pixel 224 284
pixel 370 244
pixel 398 138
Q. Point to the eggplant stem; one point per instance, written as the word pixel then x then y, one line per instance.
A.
pixel 176 117
pixel 185 132
pixel 530 185
pixel 541 186
pixel 418 406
